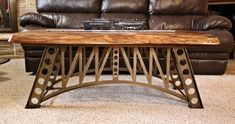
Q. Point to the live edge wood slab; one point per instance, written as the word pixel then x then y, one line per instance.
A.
pixel 112 37
pixel 129 47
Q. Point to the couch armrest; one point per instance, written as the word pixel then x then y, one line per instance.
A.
pixel 36 19
pixel 213 22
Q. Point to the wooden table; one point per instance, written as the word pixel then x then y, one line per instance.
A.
pixel 129 47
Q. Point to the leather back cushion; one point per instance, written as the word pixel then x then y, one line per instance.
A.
pixel 125 6
pixel 180 7
pixel 70 20
pixel 63 6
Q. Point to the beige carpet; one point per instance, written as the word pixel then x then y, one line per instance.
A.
pixel 114 104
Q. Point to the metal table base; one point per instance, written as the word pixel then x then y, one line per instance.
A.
pixel 177 78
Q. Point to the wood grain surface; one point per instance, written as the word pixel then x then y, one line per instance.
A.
pixel 221 2
pixel 72 37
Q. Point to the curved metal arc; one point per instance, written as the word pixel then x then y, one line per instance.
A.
pixel 107 70
pixel 88 84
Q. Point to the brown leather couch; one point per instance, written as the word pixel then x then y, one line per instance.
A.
pixel 158 14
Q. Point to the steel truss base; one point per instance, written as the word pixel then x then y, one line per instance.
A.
pixel 177 77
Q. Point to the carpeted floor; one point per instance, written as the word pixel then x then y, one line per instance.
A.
pixel 116 104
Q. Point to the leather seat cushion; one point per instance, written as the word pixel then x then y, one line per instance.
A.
pixel 208 55
pixel 209 67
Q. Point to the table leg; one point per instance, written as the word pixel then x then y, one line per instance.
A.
pixel 45 69
pixel 234 52
pixel 186 75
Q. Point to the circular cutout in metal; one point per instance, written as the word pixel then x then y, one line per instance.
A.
pixel 194 100
pixel 34 100
pixel 41 81
pixel 38 91
pixel 44 71
pixel 175 76
pixel 183 62
pixel 177 83
pixel 115 69
pixel 180 52
pixel 115 73
pixel 115 57
pixel 48 61
pixel 49 84
pixel 188 81
pixel 115 63
pixel 51 51
pixel 115 51
pixel 185 71
pixel 191 91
